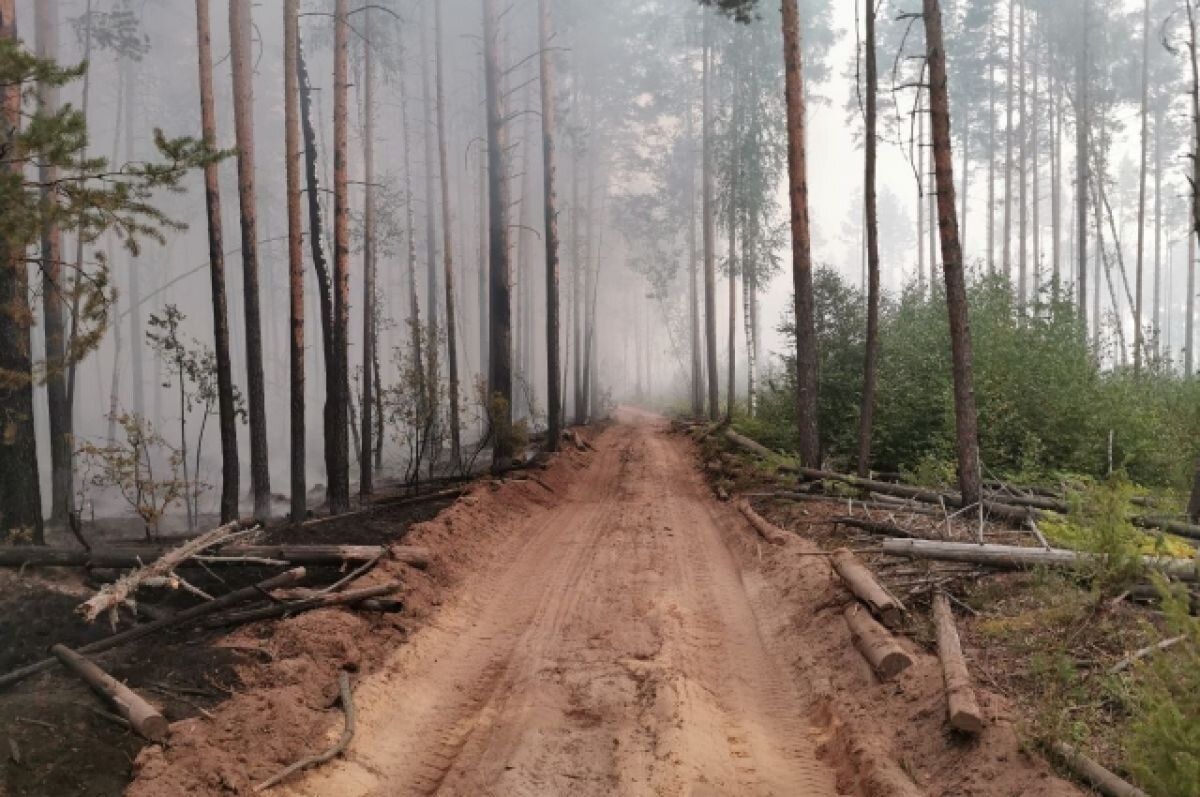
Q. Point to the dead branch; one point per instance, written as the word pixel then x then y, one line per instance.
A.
pixel 347 701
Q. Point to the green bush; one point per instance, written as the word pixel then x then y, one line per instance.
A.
pixel 1046 406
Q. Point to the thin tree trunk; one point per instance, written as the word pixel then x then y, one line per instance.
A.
pixel 447 245
pixel 366 463
pixel 1141 223
pixel 500 268
pixel 432 317
pixel 921 174
pixel 1034 188
pixel 1158 145
pixel 136 341
pixel 1008 139
pixel 550 196
pixel 693 286
pixel 708 220
pixel 1081 172
pixel 46 24
pixel 871 366
pixel 415 330
pixel 1022 169
pixel 802 277
pixel 241 49
pixel 291 99
pixel 966 421
pixel 1055 187
pixel 735 129
pixel 226 409
pixel 484 243
pixel 991 220
pixel 339 478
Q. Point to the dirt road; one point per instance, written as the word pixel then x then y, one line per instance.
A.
pixel 609 648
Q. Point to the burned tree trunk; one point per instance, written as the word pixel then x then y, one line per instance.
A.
pixel 241 47
pixel 806 330
pixel 549 177
pixel 366 462
pixel 965 418
pixel 339 477
pixel 447 246
pixel 871 366
pixel 227 410
pixel 499 390
pixel 291 99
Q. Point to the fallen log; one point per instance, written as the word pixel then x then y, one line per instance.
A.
pixel 1138 655
pixel 862 582
pixel 769 531
pixel 1005 511
pixel 1106 782
pixel 228 555
pixel 876 644
pixel 308 604
pixel 347 700
pixel 880 527
pixel 178 618
pixel 1016 557
pixel 743 442
pixel 1176 527
pixel 960 695
pixel 393 501
pixel 141 716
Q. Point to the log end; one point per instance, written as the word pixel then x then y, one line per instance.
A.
pixel 965 718
pixel 891 616
pixel 892 664
pixel 154 727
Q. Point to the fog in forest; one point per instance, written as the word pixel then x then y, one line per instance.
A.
pixel 652 100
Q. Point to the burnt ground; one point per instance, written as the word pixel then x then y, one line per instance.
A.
pixel 52 740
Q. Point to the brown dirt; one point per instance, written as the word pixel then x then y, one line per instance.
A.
pixel 64 747
pixel 608 628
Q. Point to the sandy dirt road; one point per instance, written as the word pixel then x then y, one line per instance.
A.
pixel 610 648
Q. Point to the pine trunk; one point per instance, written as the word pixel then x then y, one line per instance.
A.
pixel 735 129
pixel 366 462
pixel 241 55
pixel 1081 174
pixel 802 277
pixel 708 221
pixel 227 410
pixel 339 477
pixel 291 99
pixel 966 421
pixel 871 365
pixel 1008 140
pixel 550 197
pixel 1141 222
pixel 432 300
pixel 500 268
pixel 1022 170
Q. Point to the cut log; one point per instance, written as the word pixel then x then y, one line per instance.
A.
pixel 862 582
pixel 142 717
pixel 769 531
pixel 960 695
pixel 882 528
pixel 743 442
pixel 297 607
pixel 876 644
pixel 179 618
pixel 1016 557
pixel 1106 782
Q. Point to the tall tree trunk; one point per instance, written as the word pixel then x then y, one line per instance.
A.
pixel 136 340
pixel 447 244
pixel 991 219
pixel 802 277
pixel 1008 139
pixel 708 220
pixel 241 49
pixel 61 499
pixel 484 244
pixel 321 268
pixel 226 409
pixel 1141 223
pixel 550 197
pixel 432 317
pixel 1157 301
pixel 415 331
pixel 576 296
pixel 1082 175
pixel 1022 167
pixel 20 491
pixel 871 366
pixel 921 176
pixel 1055 186
pixel 693 286
pixel 965 418
pixel 339 478
pixel 366 462
pixel 291 100
pixel 500 268
pixel 1034 187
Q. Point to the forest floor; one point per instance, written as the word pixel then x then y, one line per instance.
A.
pixel 604 627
